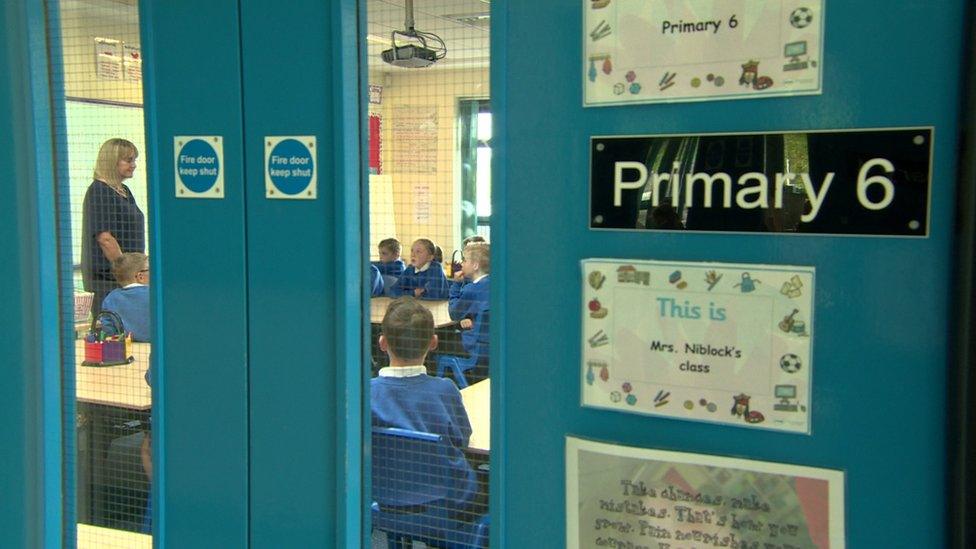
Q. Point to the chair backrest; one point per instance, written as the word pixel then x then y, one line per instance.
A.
pixel 410 467
pixel 484 323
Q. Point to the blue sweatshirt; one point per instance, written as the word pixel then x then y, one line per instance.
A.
pixel 432 280
pixel 132 306
pixel 431 405
pixel 393 268
pixel 470 300
pixel 375 281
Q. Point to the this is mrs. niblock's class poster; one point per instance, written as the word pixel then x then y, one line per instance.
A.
pixel 720 342
pixel 645 51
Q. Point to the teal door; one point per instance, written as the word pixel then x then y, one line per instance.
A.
pixel 258 374
pixel 884 317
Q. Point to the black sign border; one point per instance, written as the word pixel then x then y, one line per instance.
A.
pixel 928 198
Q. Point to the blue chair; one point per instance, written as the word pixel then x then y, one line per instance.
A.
pixel 413 480
pixel 460 364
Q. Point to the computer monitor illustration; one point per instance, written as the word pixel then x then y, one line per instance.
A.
pixel 785 392
pixel 794 50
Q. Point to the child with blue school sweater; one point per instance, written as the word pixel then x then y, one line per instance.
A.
pixel 424 278
pixel 390 263
pixel 405 397
pixel 468 300
pixel 131 301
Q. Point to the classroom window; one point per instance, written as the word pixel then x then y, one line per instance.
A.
pixel 429 181
pixel 474 146
pixel 102 212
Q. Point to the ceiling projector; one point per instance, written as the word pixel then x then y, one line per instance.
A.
pixel 416 49
pixel 410 57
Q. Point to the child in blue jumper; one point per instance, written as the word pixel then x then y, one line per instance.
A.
pixel 405 397
pixel 468 299
pixel 131 301
pixel 424 278
pixel 390 265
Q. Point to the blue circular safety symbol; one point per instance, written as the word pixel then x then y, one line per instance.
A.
pixel 290 166
pixel 198 165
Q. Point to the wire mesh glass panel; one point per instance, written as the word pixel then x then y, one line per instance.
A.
pixel 429 211
pixel 104 269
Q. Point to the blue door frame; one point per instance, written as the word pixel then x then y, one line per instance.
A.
pixel 30 468
pixel 221 470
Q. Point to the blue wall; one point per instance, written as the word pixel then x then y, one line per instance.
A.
pixel 881 333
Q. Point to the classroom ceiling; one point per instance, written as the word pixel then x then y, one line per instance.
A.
pixel 463 24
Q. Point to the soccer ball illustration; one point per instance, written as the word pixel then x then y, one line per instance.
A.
pixel 790 363
pixel 801 17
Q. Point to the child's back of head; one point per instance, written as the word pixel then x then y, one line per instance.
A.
pixel 408 328
pixel 128 265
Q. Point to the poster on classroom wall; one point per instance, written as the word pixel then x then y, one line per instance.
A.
pixel 649 51
pixel 620 496
pixel 415 139
pixel 108 59
pixel 132 62
pixel 375 145
pixel 727 343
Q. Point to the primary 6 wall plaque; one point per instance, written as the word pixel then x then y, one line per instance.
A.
pixel 870 182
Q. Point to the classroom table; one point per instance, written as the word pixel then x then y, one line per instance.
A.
pixel 477 402
pixel 119 386
pixel 438 307
pixel 92 537
pixel 117 400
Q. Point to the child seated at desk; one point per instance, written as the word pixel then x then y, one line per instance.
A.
pixel 390 265
pixel 424 278
pixel 468 304
pixel 131 301
pixel 405 397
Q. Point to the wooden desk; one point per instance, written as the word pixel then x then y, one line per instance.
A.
pixel 477 402
pixel 92 537
pixel 120 386
pixel 378 305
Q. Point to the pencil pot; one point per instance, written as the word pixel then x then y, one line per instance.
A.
pixel 109 344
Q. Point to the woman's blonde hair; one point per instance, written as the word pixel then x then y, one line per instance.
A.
pixel 107 165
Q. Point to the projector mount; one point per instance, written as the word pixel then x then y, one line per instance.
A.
pixel 416 49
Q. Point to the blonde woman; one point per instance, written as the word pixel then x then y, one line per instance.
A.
pixel 112 223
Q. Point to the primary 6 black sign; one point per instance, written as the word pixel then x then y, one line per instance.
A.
pixel 848 182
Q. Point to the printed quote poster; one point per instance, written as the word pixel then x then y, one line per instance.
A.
pixel 619 496
pixel 720 342
pixel 645 51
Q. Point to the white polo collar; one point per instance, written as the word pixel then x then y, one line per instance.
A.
pixel 403 371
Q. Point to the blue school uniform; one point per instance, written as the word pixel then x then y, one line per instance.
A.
pixel 132 305
pixel 431 405
pixel 470 300
pixel 390 273
pixel 375 281
pixel 431 279
pixel 393 268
